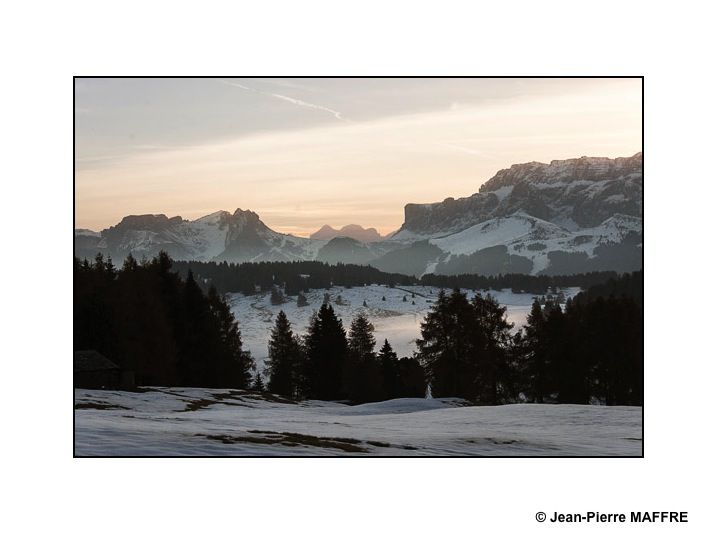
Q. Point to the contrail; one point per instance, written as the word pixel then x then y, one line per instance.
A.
pixel 298 102
pixel 463 149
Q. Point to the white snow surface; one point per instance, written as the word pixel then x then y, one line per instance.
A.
pixel 488 233
pixel 394 320
pixel 212 422
pixel 534 238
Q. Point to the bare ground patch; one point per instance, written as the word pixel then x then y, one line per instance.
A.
pixel 235 398
pixel 291 439
pixel 99 406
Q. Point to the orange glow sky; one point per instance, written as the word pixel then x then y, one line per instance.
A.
pixel 307 152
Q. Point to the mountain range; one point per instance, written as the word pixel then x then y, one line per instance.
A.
pixel 568 216
pixel 357 232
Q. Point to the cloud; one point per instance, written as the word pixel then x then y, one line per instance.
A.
pixel 300 103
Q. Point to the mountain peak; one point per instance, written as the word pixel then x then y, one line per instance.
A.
pixel 356 232
pixel 584 168
pixel 247 213
pixel 578 192
pixel 150 222
pixel 216 218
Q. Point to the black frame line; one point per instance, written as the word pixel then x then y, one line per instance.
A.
pixel 642 204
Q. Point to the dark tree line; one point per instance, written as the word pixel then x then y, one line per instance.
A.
pixel 328 363
pixel 589 350
pixel 298 276
pixel 293 277
pixel 165 329
pixel 517 282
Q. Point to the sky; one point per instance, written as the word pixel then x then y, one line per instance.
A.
pixel 307 152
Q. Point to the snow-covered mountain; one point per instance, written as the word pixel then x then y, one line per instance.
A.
pixel 237 237
pixel 572 193
pixel 569 216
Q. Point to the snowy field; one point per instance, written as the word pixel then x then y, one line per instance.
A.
pixel 394 320
pixel 205 422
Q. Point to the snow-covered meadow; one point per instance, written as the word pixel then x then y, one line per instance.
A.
pixel 396 320
pixel 210 422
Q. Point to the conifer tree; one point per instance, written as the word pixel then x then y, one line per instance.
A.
pixel 361 338
pixel 446 345
pixel 258 385
pixel 236 364
pixel 283 365
pixel 325 347
pixel 496 382
pixel 363 378
pixel 276 296
pixel 412 382
pixel 195 367
pixel 464 348
pixel 130 264
pixel 145 341
pixel 534 370
pixel 390 371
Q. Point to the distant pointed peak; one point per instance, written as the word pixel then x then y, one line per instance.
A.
pixel 214 217
pixel 354 231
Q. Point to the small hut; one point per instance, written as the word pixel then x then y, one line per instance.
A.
pixel 94 371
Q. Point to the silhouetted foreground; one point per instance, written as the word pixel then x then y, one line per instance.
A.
pixel 590 350
pixel 145 318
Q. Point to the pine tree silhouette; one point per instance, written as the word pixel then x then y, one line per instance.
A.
pixel 284 360
pixel 390 371
pixel 363 378
pixel 168 332
pixel 325 347
pixel 258 385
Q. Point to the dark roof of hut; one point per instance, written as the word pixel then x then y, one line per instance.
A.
pixel 91 361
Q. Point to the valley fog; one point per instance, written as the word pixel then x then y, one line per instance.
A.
pixel 396 320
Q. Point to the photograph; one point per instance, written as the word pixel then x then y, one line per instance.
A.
pixel 358 266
